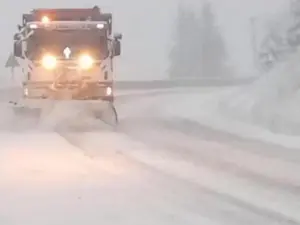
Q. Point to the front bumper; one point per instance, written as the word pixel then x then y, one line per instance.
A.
pixel 69 91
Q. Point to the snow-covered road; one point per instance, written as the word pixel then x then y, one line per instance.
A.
pixel 155 169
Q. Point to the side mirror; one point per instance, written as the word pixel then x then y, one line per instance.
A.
pixel 18 50
pixel 19 27
pixel 118 36
pixel 117 48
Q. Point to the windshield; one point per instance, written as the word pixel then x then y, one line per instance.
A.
pixel 54 42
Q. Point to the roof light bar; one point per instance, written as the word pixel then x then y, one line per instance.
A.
pixel 67 25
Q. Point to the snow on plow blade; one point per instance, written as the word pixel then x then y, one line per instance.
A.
pixel 25 111
pixel 65 114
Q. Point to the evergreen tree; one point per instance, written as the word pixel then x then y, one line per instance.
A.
pixel 199 49
pixel 213 50
pixel 184 51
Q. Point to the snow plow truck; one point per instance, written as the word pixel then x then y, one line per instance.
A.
pixel 66 56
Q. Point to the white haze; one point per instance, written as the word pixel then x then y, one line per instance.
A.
pixel 147 28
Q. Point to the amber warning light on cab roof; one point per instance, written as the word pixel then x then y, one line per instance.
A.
pixel 51 17
pixel 66 14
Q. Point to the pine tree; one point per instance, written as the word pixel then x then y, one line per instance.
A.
pixel 213 50
pixel 184 52
pixel 199 49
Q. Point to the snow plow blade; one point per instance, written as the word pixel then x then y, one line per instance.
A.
pixel 25 111
pixel 74 115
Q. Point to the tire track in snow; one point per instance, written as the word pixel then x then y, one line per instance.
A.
pixel 146 129
pixel 288 193
pixel 187 172
pixel 169 171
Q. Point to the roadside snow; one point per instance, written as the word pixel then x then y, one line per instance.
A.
pixel 268 109
pixel 207 110
pixel 271 102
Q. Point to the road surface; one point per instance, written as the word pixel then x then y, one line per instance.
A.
pixel 153 170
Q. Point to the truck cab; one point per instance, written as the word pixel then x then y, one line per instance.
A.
pixel 67 54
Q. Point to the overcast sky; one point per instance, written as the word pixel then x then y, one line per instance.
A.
pixel 147 28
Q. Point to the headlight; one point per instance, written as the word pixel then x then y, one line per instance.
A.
pixel 45 19
pixel 49 62
pixel 86 62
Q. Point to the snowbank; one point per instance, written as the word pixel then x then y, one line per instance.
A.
pixel 204 109
pixel 273 101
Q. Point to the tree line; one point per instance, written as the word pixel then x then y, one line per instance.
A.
pixel 199 49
